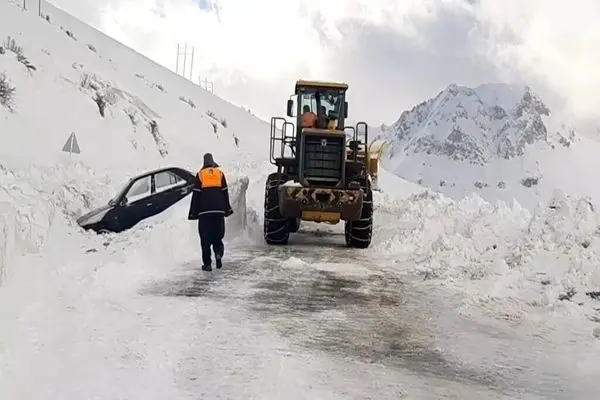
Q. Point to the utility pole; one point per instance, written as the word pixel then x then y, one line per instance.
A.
pixel 206 84
pixel 39 8
pixel 192 64
pixel 184 53
pixel 177 61
pixel 184 59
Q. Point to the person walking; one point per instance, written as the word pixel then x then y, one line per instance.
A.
pixel 210 206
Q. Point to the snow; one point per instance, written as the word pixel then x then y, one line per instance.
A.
pixel 448 291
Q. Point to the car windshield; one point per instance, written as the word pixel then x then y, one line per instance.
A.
pixel 120 193
pixel 117 196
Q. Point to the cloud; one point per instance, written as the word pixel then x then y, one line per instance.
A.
pixel 556 42
pixel 393 53
pixel 392 69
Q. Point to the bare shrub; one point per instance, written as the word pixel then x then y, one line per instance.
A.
pixel 7 93
pixel 530 181
pixel 11 44
pixel 224 122
pixel 188 101
pixel 23 60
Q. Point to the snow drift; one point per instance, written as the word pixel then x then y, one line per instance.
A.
pixel 505 259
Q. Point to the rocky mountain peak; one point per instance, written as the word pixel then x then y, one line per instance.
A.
pixel 476 125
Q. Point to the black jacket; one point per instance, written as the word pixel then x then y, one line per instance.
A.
pixel 210 200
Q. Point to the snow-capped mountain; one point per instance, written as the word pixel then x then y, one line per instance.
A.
pixel 477 125
pixel 501 141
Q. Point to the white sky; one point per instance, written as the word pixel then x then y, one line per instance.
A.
pixel 393 53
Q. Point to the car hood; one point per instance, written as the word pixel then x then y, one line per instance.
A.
pixel 94 213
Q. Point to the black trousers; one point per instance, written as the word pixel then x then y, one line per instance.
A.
pixel 211 229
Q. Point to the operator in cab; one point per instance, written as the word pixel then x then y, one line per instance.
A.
pixel 210 206
pixel 309 118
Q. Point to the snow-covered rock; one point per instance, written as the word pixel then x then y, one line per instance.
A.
pixel 500 141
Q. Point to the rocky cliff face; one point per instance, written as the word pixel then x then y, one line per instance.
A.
pixel 475 125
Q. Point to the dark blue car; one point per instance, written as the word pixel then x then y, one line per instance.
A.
pixel 142 197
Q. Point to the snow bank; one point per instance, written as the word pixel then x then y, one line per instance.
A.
pixel 504 258
pixel 30 199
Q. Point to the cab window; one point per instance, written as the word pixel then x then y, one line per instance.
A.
pixel 308 99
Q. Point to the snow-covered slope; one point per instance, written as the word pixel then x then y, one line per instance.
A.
pixel 500 141
pixel 61 71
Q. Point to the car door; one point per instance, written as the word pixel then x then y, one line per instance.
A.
pixel 169 189
pixel 138 203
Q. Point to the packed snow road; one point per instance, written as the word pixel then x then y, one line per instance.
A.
pixel 376 334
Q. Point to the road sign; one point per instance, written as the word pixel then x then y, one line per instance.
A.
pixel 72 146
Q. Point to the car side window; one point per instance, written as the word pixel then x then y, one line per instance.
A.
pixel 139 189
pixel 166 180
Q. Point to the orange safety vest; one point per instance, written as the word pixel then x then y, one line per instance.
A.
pixel 210 177
pixel 308 119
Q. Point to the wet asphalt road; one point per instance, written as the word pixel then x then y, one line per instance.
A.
pixel 330 299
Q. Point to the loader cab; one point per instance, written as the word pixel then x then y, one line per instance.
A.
pixel 325 99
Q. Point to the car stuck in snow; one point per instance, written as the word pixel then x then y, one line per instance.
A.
pixel 144 196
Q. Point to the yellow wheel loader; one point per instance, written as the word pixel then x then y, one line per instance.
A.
pixel 321 175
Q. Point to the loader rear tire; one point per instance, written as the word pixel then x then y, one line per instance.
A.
pixel 276 227
pixel 358 233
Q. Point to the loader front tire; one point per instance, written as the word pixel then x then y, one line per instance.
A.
pixel 358 233
pixel 276 227
pixel 294 224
